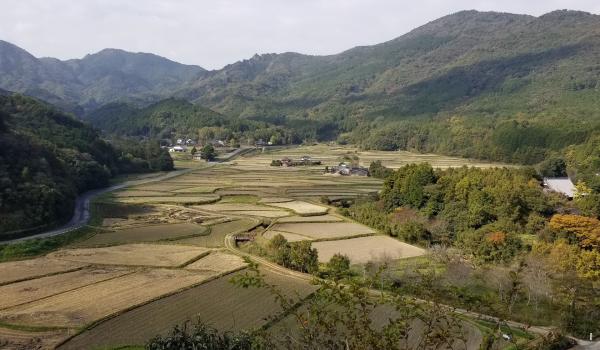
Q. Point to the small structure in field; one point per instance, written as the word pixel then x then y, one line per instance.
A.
pixel 347 170
pixel 177 149
pixel 287 162
pixel 562 185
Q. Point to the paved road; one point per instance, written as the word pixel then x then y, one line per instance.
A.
pixel 81 215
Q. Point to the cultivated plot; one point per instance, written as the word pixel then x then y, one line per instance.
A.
pixel 302 208
pixel 144 234
pixel 216 238
pixel 317 230
pixel 364 249
pixel 241 309
pixel 163 255
pixel 218 262
pixel 27 291
pixel 82 306
pixel 291 237
pixel 171 199
pixel 27 269
pixel 320 218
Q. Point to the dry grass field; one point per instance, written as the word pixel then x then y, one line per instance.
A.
pixel 173 282
pixel 144 234
pixel 12 339
pixel 31 290
pixel 171 199
pixel 291 237
pixel 302 208
pixel 216 238
pixel 364 249
pixel 236 309
pixel 82 306
pixel 318 230
pixel 320 218
pixel 160 255
pixel 32 268
pixel 218 262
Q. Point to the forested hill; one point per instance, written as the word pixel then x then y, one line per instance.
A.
pixel 48 157
pixel 478 84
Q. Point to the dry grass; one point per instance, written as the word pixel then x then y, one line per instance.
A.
pixel 139 193
pixel 316 230
pixel 364 249
pixel 302 208
pixel 132 255
pixel 144 234
pixel 171 199
pixel 275 200
pixel 82 306
pixel 12 339
pixel 291 237
pixel 243 309
pixel 31 290
pixel 262 213
pixel 320 218
pixel 216 238
pixel 218 262
pixel 26 269
pixel 224 207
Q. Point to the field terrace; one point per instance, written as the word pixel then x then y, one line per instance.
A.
pixel 161 251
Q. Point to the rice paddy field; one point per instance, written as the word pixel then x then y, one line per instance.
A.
pixel 163 252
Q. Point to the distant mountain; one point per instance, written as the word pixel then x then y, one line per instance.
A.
pixel 107 76
pixel 478 84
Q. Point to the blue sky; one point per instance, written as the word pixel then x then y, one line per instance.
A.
pixel 218 32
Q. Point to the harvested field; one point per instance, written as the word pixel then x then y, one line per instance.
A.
pixel 133 255
pixel 364 249
pixel 224 207
pixel 302 208
pixel 138 193
pixel 31 290
pixel 197 189
pixel 216 238
pixel 324 230
pixel 76 308
pixel 275 200
pixel 244 309
pixel 171 199
pixel 320 218
pixel 11 339
pixel 218 262
pixel 144 234
pixel 291 237
pixel 262 213
pixel 27 269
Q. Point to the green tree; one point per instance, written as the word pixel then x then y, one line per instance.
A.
pixel 208 153
pixel 338 266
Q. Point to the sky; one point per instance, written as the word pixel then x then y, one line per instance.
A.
pixel 214 33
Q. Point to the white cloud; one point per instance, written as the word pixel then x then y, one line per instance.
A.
pixel 212 33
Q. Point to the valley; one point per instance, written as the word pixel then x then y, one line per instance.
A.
pixel 163 251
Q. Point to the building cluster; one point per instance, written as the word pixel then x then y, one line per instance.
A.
pixel 303 161
pixel 346 169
